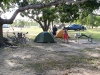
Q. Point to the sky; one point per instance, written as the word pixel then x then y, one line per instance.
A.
pixel 97 11
pixel 8 15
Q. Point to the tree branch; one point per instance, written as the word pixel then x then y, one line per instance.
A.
pixel 39 6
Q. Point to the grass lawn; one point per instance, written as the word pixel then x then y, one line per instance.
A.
pixel 94 32
pixel 34 31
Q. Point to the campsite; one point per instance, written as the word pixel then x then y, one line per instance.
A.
pixel 51 58
pixel 49 37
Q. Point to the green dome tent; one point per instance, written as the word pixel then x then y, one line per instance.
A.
pixel 44 37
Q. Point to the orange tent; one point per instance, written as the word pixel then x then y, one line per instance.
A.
pixel 60 34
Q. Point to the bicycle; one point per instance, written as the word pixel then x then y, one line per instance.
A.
pixel 24 38
pixel 19 38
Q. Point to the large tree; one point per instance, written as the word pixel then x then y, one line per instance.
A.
pixel 43 16
pixel 25 5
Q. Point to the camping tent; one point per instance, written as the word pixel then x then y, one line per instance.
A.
pixel 44 37
pixel 60 34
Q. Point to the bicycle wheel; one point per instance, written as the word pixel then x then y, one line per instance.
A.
pixel 14 39
pixel 26 40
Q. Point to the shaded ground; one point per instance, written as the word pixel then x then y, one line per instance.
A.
pixel 51 59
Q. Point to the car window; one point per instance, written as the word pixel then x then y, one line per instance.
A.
pixel 71 26
pixel 74 25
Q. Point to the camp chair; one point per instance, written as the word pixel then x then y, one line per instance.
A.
pixel 76 36
pixel 89 37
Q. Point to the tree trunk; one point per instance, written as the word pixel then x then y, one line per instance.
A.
pixel 47 26
pixel 52 25
pixel 91 20
pixel 92 26
pixel 1 36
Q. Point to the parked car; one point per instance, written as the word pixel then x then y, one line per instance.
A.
pixel 76 27
pixel 6 25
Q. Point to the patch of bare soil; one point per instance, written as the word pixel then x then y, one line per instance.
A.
pixel 51 59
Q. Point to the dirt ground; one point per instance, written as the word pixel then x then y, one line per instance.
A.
pixel 59 58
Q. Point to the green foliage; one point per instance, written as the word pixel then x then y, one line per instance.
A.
pixel 49 14
pixel 7 4
pixel 86 9
pixel 6 1
pixel 22 4
pixel 90 20
pixel 68 12
pixel 90 5
pixel 83 14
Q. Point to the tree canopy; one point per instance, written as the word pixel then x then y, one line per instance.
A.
pixel 33 4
